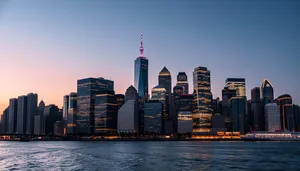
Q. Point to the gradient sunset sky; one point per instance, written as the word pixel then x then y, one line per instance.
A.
pixel 46 46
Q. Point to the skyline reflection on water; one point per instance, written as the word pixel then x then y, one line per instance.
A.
pixel 175 155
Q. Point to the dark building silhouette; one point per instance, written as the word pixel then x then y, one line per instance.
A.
pixel 203 97
pixel 32 110
pixel 267 92
pixel 120 100
pixel 37 125
pixel 182 81
pixel 184 120
pixel 227 94
pixel 41 108
pixel 141 74
pixel 153 117
pixel 65 109
pixel 216 106
pixel 165 80
pixel 297 117
pixel 86 90
pixel 218 123
pixel 58 128
pixel 238 112
pixel 51 115
pixel 257 116
pixel 255 94
pixel 72 111
pixel 5 120
pixel 105 113
pixel 285 103
pixel 13 113
pixel 22 114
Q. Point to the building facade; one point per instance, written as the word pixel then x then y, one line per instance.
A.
pixel 182 81
pixel 72 112
pixel 128 118
pixel 272 117
pixel 165 80
pixel 66 100
pixel 255 94
pixel 13 113
pixel 238 84
pixel 153 117
pixel 238 112
pixel 51 115
pixel 22 114
pixel 203 99
pixel 86 91
pixel 105 113
pixel 285 103
pixel 267 91
pixel 32 110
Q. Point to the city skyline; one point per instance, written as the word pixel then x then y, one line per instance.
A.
pixel 49 63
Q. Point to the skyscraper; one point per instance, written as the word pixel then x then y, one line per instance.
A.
pixel 203 98
pixel 41 129
pixel 267 92
pixel 184 114
pixel 32 110
pixel 128 118
pixel 22 114
pixel 120 100
pixel 238 112
pixel 165 80
pixel 141 73
pixel 272 117
pixel 105 113
pixel 285 103
pixel 86 90
pixel 227 94
pixel 255 94
pixel 51 115
pixel 72 111
pixel 182 81
pixel 237 84
pixel 65 108
pixel 153 120
pixel 13 113
pixel 5 120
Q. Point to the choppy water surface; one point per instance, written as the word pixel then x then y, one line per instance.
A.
pixel 165 156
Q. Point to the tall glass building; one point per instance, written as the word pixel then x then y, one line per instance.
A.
pixel 202 99
pixel 141 74
pixel 266 91
pixel 72 111
pixel 285 103
pixel 86 90
pixel 22 114
pixel 105 113
pixel 238 84
pixel 153 120
pixel 32 110
pixel 165 80
pixel 13 113
pixel 182 81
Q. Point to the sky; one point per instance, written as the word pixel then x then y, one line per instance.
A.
pixel 46 46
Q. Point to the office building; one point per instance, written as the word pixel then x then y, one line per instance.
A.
pixel 105 114
pixel 184 120
pixel 255 94
pixel 165 80
pixel 216 106
pixel 32 110
pixel 203 98
pixel 218 123
pixel 65 108
pixel 153 117
pixel 131 94
pixel 51 115
pixel 120 99
pixel 297 117
pixel 227 94
pixel 285 104
pixel 22 114
pixel 41 108
pixel 128 121
pixel 238 84
pixel 272 117
pixel 238 112
pixel 86 90
pixel 267 92
pixel 37 125
pixel 182 81
pixel 13 113
pixel 58 128
pixel 5 120
pixel 257 116
pixel 72 111
pixel 141 74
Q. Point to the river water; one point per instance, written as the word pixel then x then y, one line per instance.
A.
pixel 164 156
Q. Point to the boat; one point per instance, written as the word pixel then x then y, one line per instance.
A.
pixel 272 136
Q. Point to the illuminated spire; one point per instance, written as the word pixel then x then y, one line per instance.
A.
pixel 141 48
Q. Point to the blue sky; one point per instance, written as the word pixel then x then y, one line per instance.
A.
pixel 45 46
